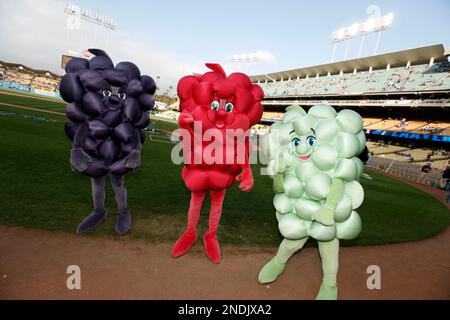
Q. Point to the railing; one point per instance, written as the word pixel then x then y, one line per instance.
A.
pixel 406 170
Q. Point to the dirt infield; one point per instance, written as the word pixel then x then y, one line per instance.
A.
pixel 33 266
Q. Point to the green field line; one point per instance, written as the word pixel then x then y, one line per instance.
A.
pixel 30 108
pixel 30 95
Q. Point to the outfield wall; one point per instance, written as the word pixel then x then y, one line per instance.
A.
pixel 18 87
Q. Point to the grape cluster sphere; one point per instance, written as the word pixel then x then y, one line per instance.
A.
pixel 306 150
pixel 107 110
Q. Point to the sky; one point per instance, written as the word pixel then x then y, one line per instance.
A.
pixel 168 39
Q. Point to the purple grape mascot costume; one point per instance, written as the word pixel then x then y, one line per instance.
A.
pixel 107 112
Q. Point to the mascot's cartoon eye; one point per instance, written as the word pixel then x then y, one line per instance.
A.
pixel 215 105
pixel 122 95
pixel 229 107
pixel 311 141
pixel 296 142
pixel 107 93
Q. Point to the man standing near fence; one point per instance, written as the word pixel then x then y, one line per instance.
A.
pixel 370 160
pixel 426 169
pixel 446 177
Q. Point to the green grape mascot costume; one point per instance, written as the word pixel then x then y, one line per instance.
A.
pixel 313 161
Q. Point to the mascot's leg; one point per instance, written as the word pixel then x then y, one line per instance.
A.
pixel 329 252
pixel 275 267
pixel 212 248
pixel 98 216
pixel 185 242
pixel 123 220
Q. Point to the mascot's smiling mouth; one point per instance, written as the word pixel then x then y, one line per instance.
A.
pixel 220 124
pixel 113 108
pixel 113 97
pixel 304 158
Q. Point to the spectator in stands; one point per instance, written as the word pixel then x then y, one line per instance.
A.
pixel 370 160
pixel 446 178
pixel 426 169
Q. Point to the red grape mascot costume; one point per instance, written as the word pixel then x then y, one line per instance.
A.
pixel 213 104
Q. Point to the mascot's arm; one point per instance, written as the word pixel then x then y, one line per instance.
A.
pixel 133 160
pixel 246 176
pixel 325 215
pixel 185 120
pixel 80 135
pixel 336 193
pixel 277 170
pixel 79 160
pixel 276 165
pixel 278 183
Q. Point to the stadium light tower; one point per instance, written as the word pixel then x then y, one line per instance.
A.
pixel 356 30
pixel 248 59
pixel 72 9
pixel 76 14
pixel 245 58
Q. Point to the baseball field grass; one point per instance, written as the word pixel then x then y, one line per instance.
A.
pixel 27 100
pixel 39 190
